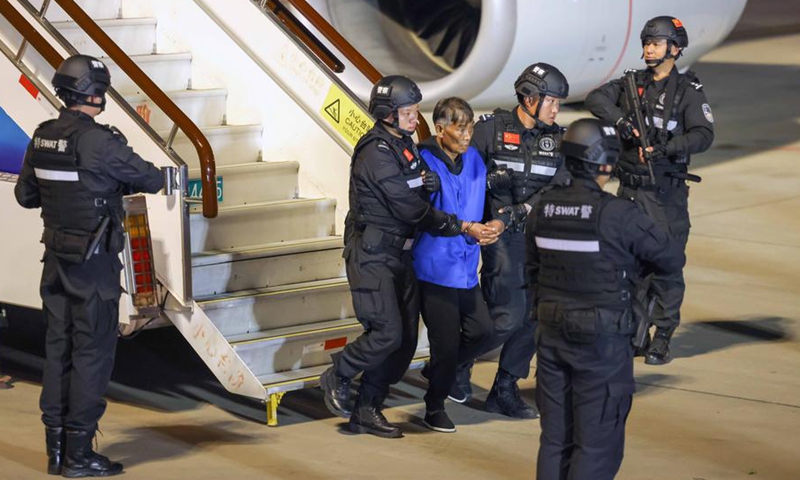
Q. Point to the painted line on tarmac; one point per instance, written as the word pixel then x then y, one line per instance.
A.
pixel 721 395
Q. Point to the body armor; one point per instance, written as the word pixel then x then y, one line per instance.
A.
pixel 533 168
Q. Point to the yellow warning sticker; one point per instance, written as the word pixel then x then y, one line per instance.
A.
pixel 345 115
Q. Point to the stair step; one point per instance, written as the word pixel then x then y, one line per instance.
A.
pixel 281 263
pixel 266 309
pixel 309 377
pixel 170 71
pixel 295 347
pixel 256 182
pixel 232 144
pixel 135 36
pixel 269 222
pixel 205 107
pixel 96 9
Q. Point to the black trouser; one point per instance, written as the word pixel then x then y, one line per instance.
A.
pixel 503 282
pixel 668 206
pixel 459 327
pixel 81 312
pixel 584 393
pixel 386 302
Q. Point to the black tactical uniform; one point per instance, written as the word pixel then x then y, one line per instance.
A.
pixel 680 123
pixel 585 247
pixel 387 205
pixel 77 172
pixel 520 162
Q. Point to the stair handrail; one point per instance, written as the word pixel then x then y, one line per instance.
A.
pixel 153 91
pixel 337 40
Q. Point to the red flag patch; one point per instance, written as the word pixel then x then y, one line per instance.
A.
pixel 677 23
pixel 509 137
pixel 641 91
pixel 409 155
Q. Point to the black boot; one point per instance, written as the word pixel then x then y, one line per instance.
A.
pixel 658 353
pixel 81 461
pixel 369 419
pixel 461 391
pixel 54 438
pixel 504 398
pixel 337 392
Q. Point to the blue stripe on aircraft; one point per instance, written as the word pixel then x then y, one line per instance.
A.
pixel 13 142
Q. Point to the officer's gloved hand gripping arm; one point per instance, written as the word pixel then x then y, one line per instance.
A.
pixel 403 201
pixel 27 188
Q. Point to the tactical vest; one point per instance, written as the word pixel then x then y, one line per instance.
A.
pixel 574 270
pixel 660 131
pixel 533 168
pixel 365 207
pixel 70 211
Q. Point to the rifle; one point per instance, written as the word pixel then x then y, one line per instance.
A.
pixel 634 107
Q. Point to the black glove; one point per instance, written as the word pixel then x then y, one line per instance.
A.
pixel 499 179
pixel 625 128
pixel 659 151
pixel 431 182
pixel 518 213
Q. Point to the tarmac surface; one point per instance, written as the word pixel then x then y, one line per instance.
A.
pixel 727 407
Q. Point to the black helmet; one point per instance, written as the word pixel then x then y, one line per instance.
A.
pixel 83 75
pixel 544 79
pixel 592 141
pixel 390 93
pixel 669 28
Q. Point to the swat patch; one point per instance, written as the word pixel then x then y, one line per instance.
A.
pixel 707 113
pixel 697 85
pixel 486 117
pixel 547 144
pixel 383 146
pixel 584 212
pixel 662 98
pixel 59 145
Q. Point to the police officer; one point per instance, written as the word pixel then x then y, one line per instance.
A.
pixel 388 203
pixel 585 247
pixel 679 124
pixel 521 149
pixel 76 171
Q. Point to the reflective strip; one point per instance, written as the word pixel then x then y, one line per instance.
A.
pixel 658 122
pixel 56 175
pixel 542 170
pixel 409 243
pixel 568 245
pixel 517 167
pixel 417 182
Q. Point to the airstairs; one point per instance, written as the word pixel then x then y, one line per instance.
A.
pixel 269 297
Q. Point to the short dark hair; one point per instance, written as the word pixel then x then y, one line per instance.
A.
pixel 452 110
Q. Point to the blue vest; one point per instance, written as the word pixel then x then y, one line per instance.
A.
pixel 453 261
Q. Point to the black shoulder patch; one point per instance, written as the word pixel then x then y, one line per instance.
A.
pixel 486 117
pixel 630 70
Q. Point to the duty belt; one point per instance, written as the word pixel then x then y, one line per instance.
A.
pixel 644 181
pixel 395 242
pixel 400 243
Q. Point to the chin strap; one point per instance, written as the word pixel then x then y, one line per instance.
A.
pixel 396 125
